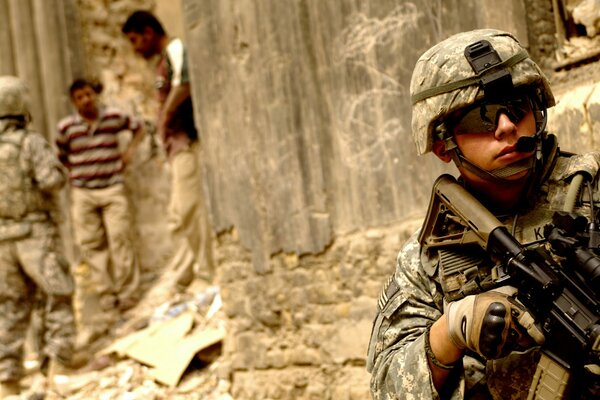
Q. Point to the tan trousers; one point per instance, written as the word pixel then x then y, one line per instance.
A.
pixel 188 219
pixel 102 224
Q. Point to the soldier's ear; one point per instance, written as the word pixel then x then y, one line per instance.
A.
pixel 439 149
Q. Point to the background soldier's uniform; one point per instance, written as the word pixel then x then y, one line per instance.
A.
pixel 413 299
pixel 30 259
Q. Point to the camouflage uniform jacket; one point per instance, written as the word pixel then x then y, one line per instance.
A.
pixel 31 172
pixel 413 299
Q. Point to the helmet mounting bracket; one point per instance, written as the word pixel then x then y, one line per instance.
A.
pixel 482 56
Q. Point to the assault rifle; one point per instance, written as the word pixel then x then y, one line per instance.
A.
pixel 558 281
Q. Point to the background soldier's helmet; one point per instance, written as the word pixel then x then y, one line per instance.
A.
pixel 443 81
pixel 14 100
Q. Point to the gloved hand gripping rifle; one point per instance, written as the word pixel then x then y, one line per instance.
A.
pixel 558 282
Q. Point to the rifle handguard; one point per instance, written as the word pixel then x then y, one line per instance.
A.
pixel 526 320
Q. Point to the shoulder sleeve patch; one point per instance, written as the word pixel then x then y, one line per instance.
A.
pixel 389 290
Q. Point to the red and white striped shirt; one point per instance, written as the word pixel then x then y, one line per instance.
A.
pixel 91 152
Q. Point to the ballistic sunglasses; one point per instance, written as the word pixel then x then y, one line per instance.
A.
pixel 483 117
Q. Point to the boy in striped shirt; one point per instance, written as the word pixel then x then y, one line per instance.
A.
pixel 88 146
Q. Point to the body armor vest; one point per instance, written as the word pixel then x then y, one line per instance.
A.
pixel 19 194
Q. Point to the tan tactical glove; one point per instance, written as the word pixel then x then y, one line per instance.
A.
pixel 492 324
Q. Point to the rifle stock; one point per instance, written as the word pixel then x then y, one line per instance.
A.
pixel 566 308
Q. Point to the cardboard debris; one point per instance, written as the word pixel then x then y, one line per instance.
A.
pixel 160 339
pixel 171 367
pixel 143 345
pixel 167 346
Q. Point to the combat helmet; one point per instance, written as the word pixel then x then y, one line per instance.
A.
pixel 469 68
pixel 14 102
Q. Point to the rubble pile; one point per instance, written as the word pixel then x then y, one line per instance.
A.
pixel 168 347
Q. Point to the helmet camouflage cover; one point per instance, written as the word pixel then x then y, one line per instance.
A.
pixel 13 97
pixel 443 81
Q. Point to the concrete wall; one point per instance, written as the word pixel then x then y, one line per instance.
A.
pixel 304 112
pixel 575 118
pixel 40 42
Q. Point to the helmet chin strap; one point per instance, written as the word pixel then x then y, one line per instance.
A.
pixel 525 144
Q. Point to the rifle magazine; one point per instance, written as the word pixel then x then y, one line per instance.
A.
pixel 550 380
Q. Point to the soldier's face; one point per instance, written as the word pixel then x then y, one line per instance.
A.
pixel 84 100
pixel 497 149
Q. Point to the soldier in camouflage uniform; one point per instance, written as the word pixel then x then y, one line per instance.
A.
pixel 474 112
pixel 30 262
